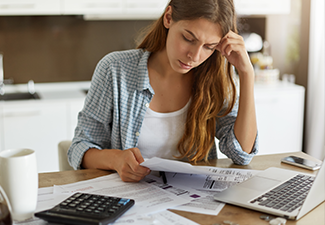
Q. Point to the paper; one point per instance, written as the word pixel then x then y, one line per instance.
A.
pixel 164 217
pixel 159 164
pixel 217 182
pixel 184 191
pixel 167 165
pixel 201 201
pixel 148 198
pixel 46 199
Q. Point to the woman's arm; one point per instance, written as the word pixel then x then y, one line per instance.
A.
pixel 232 46
pixel 125 162
pixel 92 142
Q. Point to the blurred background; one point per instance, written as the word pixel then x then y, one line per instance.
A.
pixel 53 41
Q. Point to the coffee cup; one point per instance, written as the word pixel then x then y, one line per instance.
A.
pixel 19 180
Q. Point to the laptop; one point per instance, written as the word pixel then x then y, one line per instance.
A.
pixel 279 192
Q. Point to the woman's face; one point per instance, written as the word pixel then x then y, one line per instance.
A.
pixel 190 42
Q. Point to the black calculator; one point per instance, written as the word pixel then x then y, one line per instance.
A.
pixel 82 208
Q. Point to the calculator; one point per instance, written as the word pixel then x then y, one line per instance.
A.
pixel 82 208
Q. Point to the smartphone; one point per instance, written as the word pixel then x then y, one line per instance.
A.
pixel 300 162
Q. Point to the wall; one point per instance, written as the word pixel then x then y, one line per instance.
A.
pixel 289 38
pixel 60 48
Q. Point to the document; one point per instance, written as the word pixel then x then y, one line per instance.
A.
pixel 167 165
pixel 51 196
pixel 189 188
pixel 159 164
pixel 223 179
pixel 46 199
pixel 164 217
pixel 201 201
pixel 148 198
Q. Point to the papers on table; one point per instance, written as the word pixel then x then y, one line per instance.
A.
pixel 219 182
pixel 200 201
pixel 148 198
pixel 190 189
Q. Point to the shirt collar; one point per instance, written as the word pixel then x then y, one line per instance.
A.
pixel 143 75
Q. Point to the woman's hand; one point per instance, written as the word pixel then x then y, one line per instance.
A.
pixel 125 162
pixel 232 46
pixel 128 165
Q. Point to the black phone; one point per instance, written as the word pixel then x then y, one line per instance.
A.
pixel 301 162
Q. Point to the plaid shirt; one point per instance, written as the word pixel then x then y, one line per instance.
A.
pixel 114 109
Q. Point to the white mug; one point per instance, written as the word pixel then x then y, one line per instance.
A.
pixel 19 180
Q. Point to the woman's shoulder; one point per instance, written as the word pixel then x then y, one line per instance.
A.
pixel 121 57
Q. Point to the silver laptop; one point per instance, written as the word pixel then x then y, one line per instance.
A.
pixel 280 192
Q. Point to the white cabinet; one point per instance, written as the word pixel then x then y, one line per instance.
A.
pixel 280 116
pixel 92 9
pixel 73 110
pixel 36 125
pixel 262 7
pixel 125 9
pixel 115 9
pixel 42 124
pixel 30 7
pixel 79 7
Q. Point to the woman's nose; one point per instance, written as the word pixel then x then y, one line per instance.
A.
pixel 194 54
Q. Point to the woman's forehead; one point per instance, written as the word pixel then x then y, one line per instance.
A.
pixel 203 29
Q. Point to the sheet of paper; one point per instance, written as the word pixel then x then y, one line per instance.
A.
pixel 32 221
pixel 167 165
pixel 148 198
pixel 211 182
pixel 46 199
pixel 159 164
pixel 164 217
pixel 201 201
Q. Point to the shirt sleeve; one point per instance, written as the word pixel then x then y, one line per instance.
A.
pixel 228 143
pixel 93 128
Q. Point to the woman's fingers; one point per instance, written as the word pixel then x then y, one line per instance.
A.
pixel 231 42
pixel 129 167
pixel 232 46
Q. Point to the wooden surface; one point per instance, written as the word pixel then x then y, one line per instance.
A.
pixel 235 214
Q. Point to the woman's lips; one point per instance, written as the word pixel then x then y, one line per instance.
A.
pixel 185 66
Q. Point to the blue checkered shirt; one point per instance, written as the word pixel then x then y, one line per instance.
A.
pixel 114 109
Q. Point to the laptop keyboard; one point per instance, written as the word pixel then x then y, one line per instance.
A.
pixel 287 196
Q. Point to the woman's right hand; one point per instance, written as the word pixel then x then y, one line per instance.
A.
pixel 128 165
pixel 125 162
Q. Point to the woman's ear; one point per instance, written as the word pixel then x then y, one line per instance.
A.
pixel 168 17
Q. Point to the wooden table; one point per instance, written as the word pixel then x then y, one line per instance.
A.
pixel 235 214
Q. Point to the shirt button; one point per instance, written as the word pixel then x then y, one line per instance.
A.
pixel 147 105
pixel 137 134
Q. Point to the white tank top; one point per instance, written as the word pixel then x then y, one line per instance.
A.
pixel 161 132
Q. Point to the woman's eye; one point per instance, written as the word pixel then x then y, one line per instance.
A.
pixel 210 48
pixel 186 39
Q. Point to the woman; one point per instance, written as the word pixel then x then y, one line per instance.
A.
pixel 171 96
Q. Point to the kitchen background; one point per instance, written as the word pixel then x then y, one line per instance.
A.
pixel 64 48
pixel 67 47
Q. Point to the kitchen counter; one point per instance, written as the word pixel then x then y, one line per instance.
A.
pixel 51 91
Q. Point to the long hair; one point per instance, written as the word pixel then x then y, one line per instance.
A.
pixel 214 90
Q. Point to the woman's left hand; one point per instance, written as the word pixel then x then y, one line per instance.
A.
pixel 232 46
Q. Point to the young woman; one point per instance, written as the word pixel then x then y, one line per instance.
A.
pixel 170 97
